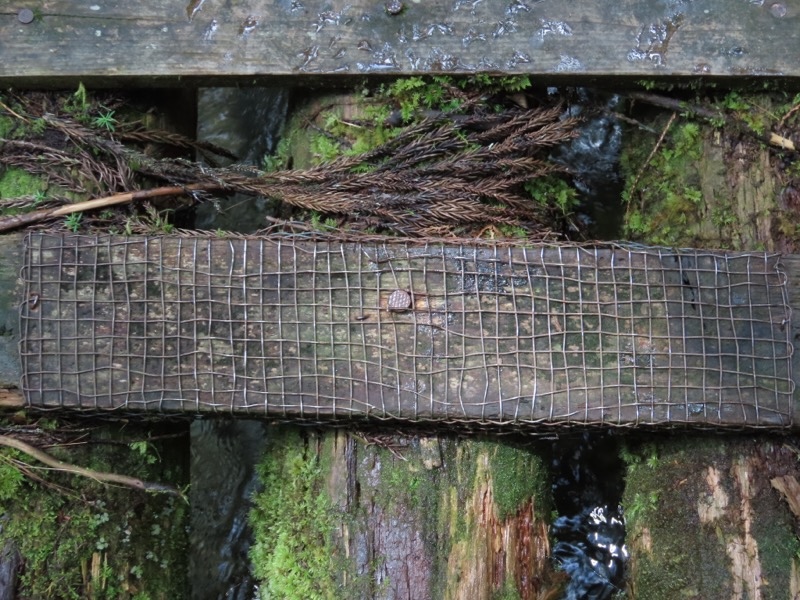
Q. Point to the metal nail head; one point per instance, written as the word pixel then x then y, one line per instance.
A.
pixel 399 300
pixel 25 16
pixel 394 7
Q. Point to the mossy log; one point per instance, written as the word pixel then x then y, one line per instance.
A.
pixel 695 184
pixel 711 518
pixel 408 516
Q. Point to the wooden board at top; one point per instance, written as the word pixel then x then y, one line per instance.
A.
pixel 112 42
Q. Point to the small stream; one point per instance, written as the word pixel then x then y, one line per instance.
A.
pixel 247 122
pixel 590 530
pixel 587 482
pixel 223 478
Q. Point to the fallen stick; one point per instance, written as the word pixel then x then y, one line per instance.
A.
pixel 712 115
pixel 15 221
pixel 43 457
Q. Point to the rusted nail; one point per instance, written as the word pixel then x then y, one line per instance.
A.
pixel 399 300
pixel 393 7
pixel 25 16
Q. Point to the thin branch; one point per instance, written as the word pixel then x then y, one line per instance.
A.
pixel 714 115
pixel 15 221
pixel 647 162
pixel 125 480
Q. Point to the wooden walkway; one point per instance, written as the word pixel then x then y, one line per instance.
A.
pixel 318 330
pixel 152 42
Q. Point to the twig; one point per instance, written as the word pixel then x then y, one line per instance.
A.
pixel 788 114
pixel 647 162
pixel 15 221
pixel 125 480
pixel 28 470
pixel 714 115
pixel 5 107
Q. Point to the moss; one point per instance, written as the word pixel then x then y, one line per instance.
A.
pixel 293 521
pixel 15 182
pixel 676 566
pixel 509 591
pixel 663 195
pixel 85 540
pixel 6 125
pixel 778 545
pixel 517 476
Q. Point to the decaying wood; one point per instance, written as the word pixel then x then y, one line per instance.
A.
pixel 206 42
pixel 789 488
pixel 408 528
pixel 706 515
pixel 716 116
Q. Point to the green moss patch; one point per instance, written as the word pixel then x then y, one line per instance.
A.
pixel 293 522
pixel 81 539
pixel 681 527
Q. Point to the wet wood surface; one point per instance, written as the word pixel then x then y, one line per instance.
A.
pixel 480 335
pixel 61 42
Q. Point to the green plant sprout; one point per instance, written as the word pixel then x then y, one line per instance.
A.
pixel 73 222
pixel 105 120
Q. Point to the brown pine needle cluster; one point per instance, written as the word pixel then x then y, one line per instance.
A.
pixel 439 175
pixel 447 175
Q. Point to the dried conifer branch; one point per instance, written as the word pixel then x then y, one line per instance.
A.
pixel 443 172
pixel 176 140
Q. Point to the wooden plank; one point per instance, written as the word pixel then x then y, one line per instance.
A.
pixel 483 335
pixel 10 265
pixel 791 265
pixel 210 42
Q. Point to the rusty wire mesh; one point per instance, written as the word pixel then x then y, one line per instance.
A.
pixel 294 328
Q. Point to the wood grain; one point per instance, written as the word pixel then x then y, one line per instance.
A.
pixel 111 42
pixel 492 335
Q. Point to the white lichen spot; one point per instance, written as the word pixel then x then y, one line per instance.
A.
pixel 567 64
pixel 711 505
pixel 557 28
pixel 98 33
pixel 94 7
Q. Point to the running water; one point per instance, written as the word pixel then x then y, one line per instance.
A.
pixel 223 479
pixel 590 533
pixel 247 122
pixel 593 160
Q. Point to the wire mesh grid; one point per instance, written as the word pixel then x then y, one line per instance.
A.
pixel 322 330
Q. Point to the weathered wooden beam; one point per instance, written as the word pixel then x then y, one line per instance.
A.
pixel 59 42
pixel 10 297
pixel 791 265
pixel 481 335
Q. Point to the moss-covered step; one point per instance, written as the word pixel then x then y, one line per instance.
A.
pixel 387 515
pixel 705 519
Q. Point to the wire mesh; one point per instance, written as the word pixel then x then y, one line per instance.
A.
pixel 323 330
